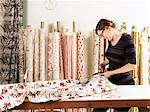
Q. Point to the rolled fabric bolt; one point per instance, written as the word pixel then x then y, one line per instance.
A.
pixel 26 75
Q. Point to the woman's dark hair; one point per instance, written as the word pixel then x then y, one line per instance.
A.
pixel 104 23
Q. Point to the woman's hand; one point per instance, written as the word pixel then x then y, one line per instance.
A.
pixel 102 67
pixel 107 74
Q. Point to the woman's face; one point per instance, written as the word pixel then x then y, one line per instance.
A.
pixel 106 33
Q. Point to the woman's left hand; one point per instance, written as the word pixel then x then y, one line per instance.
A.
pixel 106 74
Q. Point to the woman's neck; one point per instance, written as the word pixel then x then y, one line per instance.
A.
pixel 116 38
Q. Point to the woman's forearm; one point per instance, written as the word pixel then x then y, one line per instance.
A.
pixel 126 68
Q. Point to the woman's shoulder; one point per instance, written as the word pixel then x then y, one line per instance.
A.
pixel 127 39
pixel 126 36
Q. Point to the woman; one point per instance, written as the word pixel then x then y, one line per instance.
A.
pixel 120 56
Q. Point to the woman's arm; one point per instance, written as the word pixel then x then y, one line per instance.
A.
pixel 106 62
pixel 126 68
pixel 102 65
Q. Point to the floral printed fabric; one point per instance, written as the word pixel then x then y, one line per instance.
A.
pixel 14 94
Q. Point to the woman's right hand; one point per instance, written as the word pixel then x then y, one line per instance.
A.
pixel 102 67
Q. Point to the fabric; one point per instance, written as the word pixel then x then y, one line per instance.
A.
pixel 21 54
pixel 74 56
pixel 55 55
pixel 67 55
pixel 12 95
pixel 43 91
pixel 67 89
pixel 96 54
pixel 61 57
pixel 144 69
pixel 42 55
pixel 101 52
pixel 49 57
pixel 11 14
pixel 136 39
pixel 80 56
pixel 29 53
pixel 119 55
pixel 36 56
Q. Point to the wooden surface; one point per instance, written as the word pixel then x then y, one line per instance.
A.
pixel 130 96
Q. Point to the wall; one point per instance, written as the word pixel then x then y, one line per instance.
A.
pixel 88 12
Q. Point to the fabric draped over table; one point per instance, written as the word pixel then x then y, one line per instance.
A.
pixel 12 95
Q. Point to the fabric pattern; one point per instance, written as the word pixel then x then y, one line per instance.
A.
pixel 42 55
pixel 21 54
pixel 80 55
pixel 36 56
pixel 49 57
pixel 74 56
pixel 29 53
pixel 42 91
pixel 12 95
pixel 144 69
pixel 55 55
pixel 11 13
pixel 67 55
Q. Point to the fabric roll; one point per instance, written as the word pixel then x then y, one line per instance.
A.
pixel 55 55
pixel 21 55
pixel 36 56
pixel 80 56
pixel 29 54
pixel 74 56
pixel 144 74
pixel 42 55
pixel 61 57
pixel 67 55
pixel 135 38
pixel 101 52
pixel 69 62
pixel 96 53
pixel 49 57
